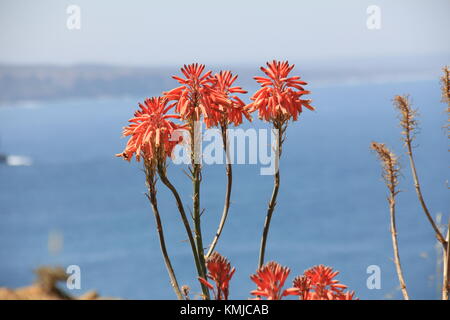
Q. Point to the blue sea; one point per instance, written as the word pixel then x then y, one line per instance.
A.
pixel 331 210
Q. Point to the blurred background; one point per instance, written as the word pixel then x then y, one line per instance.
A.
pixel 67 88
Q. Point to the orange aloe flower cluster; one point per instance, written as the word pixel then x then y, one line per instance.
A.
pixel 192 98
pixel 150 131
pixel 228 108
pixel 220 271
pixel 318 283
pixel 207 95
pixel 214 98
pixel 270 280
pixel 280 98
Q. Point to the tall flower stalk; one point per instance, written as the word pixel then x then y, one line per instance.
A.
pixel 192 101
pixel 390 175
pixel 278 101
pixel 150 132
pixel 150 174
pixel 409 124
pixel 228 109
pixel 162 171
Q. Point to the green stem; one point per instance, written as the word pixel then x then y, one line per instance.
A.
pixel 273 199
pixel 272 203
pixel 169 185
pixel 151 181
pixel 162 242
pixel 226 205
pixel 197 221
pixel 196 180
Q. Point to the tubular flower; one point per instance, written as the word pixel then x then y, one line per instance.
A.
pixel 150 131
pixel 318 283
pixel 303 283
pixel 192 98
pixel 279 99
pixel 228 108
pixel 220 271
pixel 349 295
pixel 270 280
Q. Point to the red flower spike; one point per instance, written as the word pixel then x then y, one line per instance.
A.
pixel 303 283
pixel 227 107
pixel 270 280
pixel 206 283
pixel 318 283
pixel 150 131
pixel 220 271
pixel 192 99
pixel 349 295
pixel 279 99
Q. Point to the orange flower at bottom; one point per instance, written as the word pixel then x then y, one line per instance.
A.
pixel 318 283
pixel 220 271
pixel 270 280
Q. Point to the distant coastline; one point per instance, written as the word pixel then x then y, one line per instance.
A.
pixel 25 84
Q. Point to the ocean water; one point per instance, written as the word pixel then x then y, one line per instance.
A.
pixel 331 209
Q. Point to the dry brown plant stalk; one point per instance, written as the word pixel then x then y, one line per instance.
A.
pixel 409 124
pixel 390 175
pixel 446 268
pixel 445 81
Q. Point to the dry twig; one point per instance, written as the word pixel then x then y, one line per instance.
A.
pixel 408 122
pixel 390 175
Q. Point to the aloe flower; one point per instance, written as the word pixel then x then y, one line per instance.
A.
pixel 319 283
pixel 220 271
pixel 192 99
pixel 280 97
pixel 270 280
pixel 150 131
pixel 227 106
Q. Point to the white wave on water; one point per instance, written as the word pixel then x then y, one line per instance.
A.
pixel 12 160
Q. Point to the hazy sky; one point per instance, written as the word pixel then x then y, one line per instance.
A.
pixel 232 32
